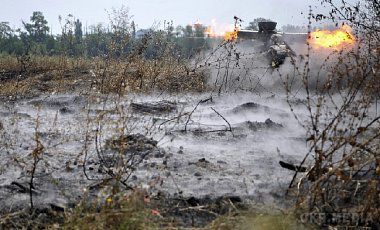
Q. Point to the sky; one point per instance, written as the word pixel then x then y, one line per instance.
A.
pixel 149 12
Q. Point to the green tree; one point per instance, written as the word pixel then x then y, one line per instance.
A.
pixel 5 30
pixel 51 45
pixel 133 27
pixel 199 30
pixel 96 42
pixel 5 34
pixel 179 31
pixel 254 25
pixel 169 28
pixel 78 32
pixel 38 28
pixel 188 31
pixel 71 39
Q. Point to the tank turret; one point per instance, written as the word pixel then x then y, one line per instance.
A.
pixel 267 27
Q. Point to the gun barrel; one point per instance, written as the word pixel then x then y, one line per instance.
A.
pixel 289 37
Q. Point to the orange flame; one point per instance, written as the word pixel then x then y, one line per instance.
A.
pixel 210 32
pixel 336 39
pixel 231 36
pixel 225 31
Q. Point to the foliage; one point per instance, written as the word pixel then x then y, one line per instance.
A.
pixel 38 28
pixel 5 30
pixel 119 40
pixel 254 25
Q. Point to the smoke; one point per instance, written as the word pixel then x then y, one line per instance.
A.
pixel 245 66
pixel 236 66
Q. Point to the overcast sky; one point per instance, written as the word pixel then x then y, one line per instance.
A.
pixel 146 12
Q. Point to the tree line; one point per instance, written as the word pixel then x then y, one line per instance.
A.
pixel 35 38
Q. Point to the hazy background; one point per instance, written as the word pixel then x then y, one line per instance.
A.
pixel 146 13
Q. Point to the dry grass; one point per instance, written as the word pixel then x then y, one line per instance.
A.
pixel 118 212
pixel 149 75
pixel 37 64
pixel 247 221
pixel 38 75
pixel 34 75
pixel 343 130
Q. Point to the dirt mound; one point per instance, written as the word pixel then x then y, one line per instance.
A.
pixel 255 107
pixel 247 107
pixel 134 143
pixel 160 107
pixel 59 102
pixel 135 146
pixel 257 126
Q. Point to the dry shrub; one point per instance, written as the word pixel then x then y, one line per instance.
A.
pixel 109 74
pixel 122 211
pixel 144 75
pixel 32 64
pixel 55 74
pixel 343 133
pixel 153 62
pixel 35 75
pixel 259 221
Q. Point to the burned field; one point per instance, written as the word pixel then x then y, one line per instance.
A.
pixel 205 163
pixel 161 131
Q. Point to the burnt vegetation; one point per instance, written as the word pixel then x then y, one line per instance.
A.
pixel 343 138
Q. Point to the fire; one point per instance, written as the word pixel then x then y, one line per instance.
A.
pixel 231 36
pixel 210 32
pixel 215 30
pixel 336 39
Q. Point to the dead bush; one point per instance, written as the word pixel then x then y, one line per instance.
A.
pixel 343 133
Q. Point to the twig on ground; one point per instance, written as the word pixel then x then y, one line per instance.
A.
pixel 229 125
pixel 195 108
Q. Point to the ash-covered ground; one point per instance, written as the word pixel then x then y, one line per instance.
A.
pixel 207 160
pixel 189 149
